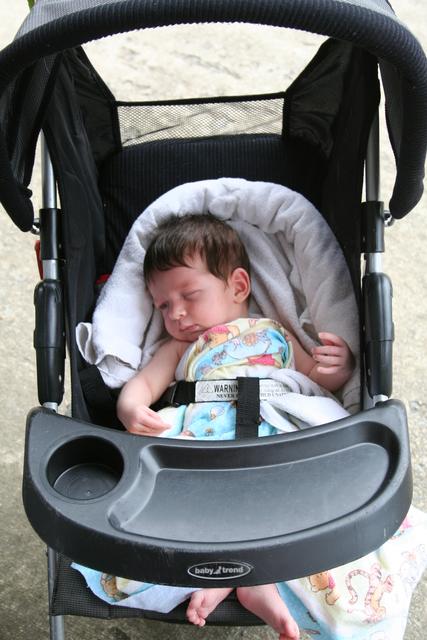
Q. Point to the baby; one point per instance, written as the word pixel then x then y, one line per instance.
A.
pixel 198 274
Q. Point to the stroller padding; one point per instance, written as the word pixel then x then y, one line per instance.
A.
pixel 254 511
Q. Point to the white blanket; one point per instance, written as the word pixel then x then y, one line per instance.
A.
pixel 298 272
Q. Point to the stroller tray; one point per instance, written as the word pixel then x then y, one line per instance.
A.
pixel 190 512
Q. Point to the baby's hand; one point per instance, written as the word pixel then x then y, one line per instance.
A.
pixel 334 357
pixel 143 421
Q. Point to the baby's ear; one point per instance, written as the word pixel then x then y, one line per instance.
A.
pixel 241 284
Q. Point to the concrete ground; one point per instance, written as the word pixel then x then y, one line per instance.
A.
pixel 184 62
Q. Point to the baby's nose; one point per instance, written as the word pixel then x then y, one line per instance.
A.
pixel 177 311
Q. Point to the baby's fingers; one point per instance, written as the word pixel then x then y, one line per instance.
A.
pixel 328 359
pixel 329 370
pixel 331 339
pixel 148 429
pixel 328 350
pixel 148 422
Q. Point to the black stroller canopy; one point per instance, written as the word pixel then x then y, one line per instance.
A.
pixel 28 65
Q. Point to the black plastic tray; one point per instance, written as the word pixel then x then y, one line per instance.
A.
pixel 194 513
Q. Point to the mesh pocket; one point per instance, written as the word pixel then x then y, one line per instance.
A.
pixel 146 122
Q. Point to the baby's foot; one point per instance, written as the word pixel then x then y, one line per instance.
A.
pixel 203 602
pixel 265 602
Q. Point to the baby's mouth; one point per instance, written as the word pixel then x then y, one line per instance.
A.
pixel 191 328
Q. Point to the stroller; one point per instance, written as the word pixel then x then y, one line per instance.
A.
pixel 109 165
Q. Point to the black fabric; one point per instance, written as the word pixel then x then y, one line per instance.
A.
pixel 83 222
pixel 71 596
pixel 343 183
pixel 49 11
pixel 247 408
pixel 182 392
pixel 97 106
pixel 100 400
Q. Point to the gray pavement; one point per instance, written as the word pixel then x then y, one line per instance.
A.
pixel 209 61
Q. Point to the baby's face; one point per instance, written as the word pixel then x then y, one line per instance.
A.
pixel 191 300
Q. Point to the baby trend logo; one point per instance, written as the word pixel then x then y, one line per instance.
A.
pixel 219 570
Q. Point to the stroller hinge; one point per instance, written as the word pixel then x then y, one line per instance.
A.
pixel 373 223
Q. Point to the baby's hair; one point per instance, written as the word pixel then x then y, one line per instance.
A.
pixel 180 238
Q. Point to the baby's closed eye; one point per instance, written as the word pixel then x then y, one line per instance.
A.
pixel 192 295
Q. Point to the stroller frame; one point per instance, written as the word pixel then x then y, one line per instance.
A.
pixel 379 387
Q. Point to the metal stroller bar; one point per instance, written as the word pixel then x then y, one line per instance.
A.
pixel 372 165
pixel 56 623
pixel 49 200
pixel 372 189
pixel 49 335
pixel 50 271
pixel 377 290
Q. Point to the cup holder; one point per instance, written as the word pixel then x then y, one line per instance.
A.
pixel 85 468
